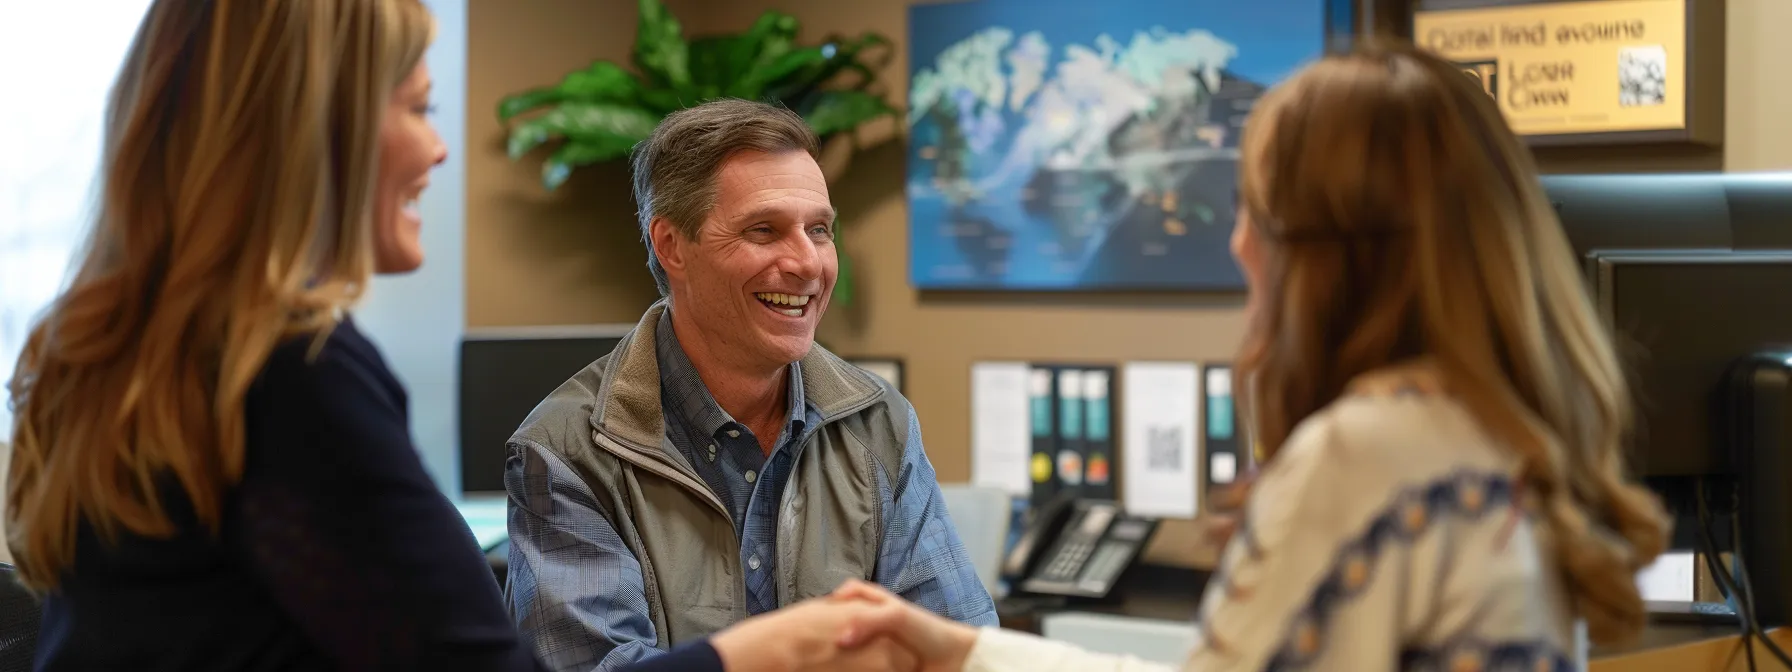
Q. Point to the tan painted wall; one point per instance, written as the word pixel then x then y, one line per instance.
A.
pixel 535 257
pixel 1758 107
pixel 575 258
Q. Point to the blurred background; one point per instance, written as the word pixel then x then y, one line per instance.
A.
pixel 1022 188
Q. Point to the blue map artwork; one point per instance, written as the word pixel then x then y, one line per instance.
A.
pixel 1068 144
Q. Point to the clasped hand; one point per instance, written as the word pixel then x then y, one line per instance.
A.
pixel 864 627
pixel 859 627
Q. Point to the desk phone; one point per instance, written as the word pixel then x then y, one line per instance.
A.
pixel 1087 544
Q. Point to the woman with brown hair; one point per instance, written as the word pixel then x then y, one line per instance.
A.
pixel 1442 407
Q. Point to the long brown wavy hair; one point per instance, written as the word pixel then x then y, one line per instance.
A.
pixel 237 188
pixel 1400 218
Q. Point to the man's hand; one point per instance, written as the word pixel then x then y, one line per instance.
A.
pixel 806 636
pixel 941 645
pixel 882 654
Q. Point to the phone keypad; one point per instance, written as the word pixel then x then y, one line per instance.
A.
pixel 1069 560
pixel 1108 564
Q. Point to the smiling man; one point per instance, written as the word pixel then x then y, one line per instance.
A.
pixel 717 463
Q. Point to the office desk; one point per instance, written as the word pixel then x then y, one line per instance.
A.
pixel 1158 595
pixel 1680 648
pixel 1146 591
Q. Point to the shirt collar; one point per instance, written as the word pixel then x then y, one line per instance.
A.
pixel 683 391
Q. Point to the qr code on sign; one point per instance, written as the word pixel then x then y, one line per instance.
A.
pixel 1163 448
pixel 1642 76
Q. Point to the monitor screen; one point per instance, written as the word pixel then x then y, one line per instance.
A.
pixel 502 378
pixel 1681 319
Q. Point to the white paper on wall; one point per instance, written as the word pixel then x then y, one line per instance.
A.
pixel 1001 438
pixel 1162 423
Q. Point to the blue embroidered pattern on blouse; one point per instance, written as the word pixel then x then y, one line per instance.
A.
pixel 1465 495
pixel 1479 656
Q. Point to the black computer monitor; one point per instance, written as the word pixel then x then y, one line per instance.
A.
pixel 1664 313
pixel 503 375
pixel 1719 211
pixel 1637 223
pixel 1682 318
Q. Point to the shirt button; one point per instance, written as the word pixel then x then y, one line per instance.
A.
pixel 751 476
pixel 733 433
pixel 753 563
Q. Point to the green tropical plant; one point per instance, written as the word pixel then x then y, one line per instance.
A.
pixel 599 113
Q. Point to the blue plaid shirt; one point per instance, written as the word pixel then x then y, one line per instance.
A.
pixel 727 455
pixel 578 593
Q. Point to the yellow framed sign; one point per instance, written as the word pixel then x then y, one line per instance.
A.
pixel 1586 71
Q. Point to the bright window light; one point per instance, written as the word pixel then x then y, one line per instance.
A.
pixel 57 63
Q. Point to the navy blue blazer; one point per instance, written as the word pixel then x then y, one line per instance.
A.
pixel 337 551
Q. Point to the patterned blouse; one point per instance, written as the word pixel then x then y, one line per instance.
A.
pixel 1389 533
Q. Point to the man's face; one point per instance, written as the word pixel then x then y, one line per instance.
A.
pixel 756 279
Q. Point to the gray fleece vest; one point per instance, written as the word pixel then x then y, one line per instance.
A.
pixel 606 424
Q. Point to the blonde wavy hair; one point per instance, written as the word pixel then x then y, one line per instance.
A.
pixel 1400 218
pixel 237 191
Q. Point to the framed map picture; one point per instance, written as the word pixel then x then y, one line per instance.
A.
pixel 1072 145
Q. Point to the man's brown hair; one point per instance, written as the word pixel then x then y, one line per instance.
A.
pixel 675 168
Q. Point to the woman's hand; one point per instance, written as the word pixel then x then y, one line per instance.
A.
pixel 806 636
pixel 941 644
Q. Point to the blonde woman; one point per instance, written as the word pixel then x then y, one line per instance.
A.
pixel 211 465
pixel 1442 406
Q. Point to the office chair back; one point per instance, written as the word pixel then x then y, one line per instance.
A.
pixel 20 616
pixel 981 515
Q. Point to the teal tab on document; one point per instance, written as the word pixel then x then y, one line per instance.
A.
pixel 1072 419
pixel 1097 428
pixel 1219 417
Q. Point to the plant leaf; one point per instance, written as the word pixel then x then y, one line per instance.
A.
pixel 770 38
pixel 836 111
pixel 666 101
pixel 838 54
pixel 559 167
pixel 722 61
pixel 524 139
pixel 772 34
pixel 714 60
pixel 753 84
pixel 518 103
pixel 601 82
pixel 660 49
pixel 581 122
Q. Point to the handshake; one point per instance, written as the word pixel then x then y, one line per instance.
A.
pixel 859 626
